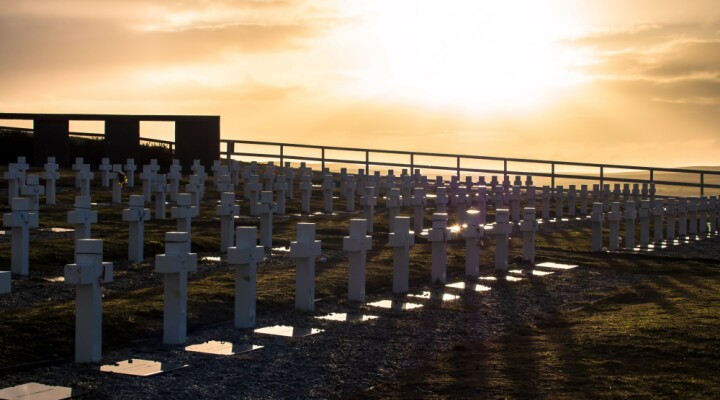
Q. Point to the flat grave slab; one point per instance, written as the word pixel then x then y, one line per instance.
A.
pixel 288 331
pixel 38 391
pixel 139 367
pixel 396 305
pixel 555 265
pixel 534 272
pixel 435 296
pixel 222 348
pixel 57 230
pixel 508 278
pixel 5 282
pixel 345 317
pixel 468 286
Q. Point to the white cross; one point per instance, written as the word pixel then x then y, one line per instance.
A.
pixel 184 211
pixel 105 169
pixel 82 217
pixel 159 187
pixel 281 188
pixel 15 177
pixel 356 245
pixel 244 256
pixel 89 273
pixel 195 188
pixel 501 233
pixel 265 209
pixel 175 265
pixel 438 236
pixel 130 169
pixel 136 215
pixel 328 185
pixel 33 189
pixel 147 176
pixel 305 192
pixel 304 251
pixel 20 219
pixel 400 239
pixel 51 175
pixel 368 201
pixel 227 210
pixel 472 233
pixel 174 176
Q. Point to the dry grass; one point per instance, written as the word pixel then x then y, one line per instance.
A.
pixel 660 339
pixel 656 340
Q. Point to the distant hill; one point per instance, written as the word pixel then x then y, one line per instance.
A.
pixel 705 168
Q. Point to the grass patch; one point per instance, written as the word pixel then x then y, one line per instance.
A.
pixel 656 340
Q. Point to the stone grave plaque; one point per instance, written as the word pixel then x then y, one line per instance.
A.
pixel 57 230
pixel 469 286
pixel 345 317
pixel 508 278
pixel 288 331
pixel 534 272
pixel 435 296
pixel 5 282
pixel 222 348
pixel 396 305
pixel 38 391
pixel 555 265
pixel 138 367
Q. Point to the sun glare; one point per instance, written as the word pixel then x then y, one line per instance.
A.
pixel 477 56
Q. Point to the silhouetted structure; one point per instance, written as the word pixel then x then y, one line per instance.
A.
pixel 196 136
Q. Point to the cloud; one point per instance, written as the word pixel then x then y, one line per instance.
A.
pixel 686 58
pixel 672 64
pixel 44 46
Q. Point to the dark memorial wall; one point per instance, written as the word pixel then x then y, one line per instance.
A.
pixel 197 137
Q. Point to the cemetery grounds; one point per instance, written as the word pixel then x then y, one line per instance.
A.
pixel 621 325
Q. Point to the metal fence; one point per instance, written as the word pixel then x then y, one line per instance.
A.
pixel 157 142
pixel 459 164
pixel 455 164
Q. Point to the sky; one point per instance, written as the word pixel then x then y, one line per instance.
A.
pixel 612 81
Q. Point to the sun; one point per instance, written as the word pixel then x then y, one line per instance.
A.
pixel 478 56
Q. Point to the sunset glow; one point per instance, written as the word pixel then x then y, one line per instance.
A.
pixel 469 55
pixel 605 81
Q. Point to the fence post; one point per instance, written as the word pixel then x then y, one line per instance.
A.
pixel 282 158
pixel 367 162
pixel 231 151
pixel 323 158
pixel 230 148
pixel 457 167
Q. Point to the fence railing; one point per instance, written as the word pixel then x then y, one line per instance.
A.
pixel 167 143
pixel 283 152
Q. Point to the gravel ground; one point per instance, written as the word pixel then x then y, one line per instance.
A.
pixel 346 358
